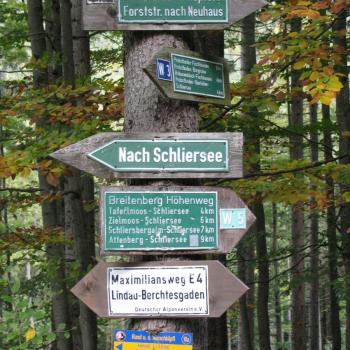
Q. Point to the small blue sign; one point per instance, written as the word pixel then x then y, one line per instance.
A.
pixel 128 339
pixel 235 218
pixel 163 69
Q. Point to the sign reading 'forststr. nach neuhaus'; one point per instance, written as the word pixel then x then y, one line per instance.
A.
pixel 163 155
pixel 179 11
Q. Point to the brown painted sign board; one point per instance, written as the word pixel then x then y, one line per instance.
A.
pixel 110 15
pixel 173 220
pixel 193 76
pixel 164 289
pixel 82 155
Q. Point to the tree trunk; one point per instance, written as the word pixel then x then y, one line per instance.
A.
pixel 331 237
pixel 314 255
pixel 343 120
pixel 297 260
pixel 253 143
pixel 276 287
pixel 147 110
pixel 51 211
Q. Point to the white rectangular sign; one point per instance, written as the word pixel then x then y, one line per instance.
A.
pixel 160 290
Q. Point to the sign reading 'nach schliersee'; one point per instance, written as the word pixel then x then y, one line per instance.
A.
pixel 159 220
pixel 163 155
pixel 179 11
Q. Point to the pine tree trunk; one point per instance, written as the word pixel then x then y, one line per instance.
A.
pixel 276 287
pixel 51 211
pixel 253 142
pixel 332 237
pixel 146 110
pixel 342 113
pixel 297 260
pixel 314 255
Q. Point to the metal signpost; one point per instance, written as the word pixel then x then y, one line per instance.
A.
pixel 171 289
pixel 157 156
pixel 165 14
pixel 188 75
pixel 142 220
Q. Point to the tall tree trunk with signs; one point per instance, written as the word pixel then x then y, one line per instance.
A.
pixel 146 110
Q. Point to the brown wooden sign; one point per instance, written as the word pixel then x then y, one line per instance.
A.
pixel 188 75
pixel 157 155
pixel 172 220
pixel 171 289
pixel 149 15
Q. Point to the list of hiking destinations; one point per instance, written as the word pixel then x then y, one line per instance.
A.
pixel 160 11
pixel 159 220
pixel 158 290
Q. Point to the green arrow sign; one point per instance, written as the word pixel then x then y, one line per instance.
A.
pixel 163 155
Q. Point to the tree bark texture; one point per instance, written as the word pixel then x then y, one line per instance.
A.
pixel 343 120
pixel 314 254
pixel 331 237
pixel 67 42
pixel 146 109
pixel 276 287
pixel 297 260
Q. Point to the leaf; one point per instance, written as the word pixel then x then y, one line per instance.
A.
pixel 30 334
pixel 52 180
pixel 326 100
pixel 334 84
pixel 299 65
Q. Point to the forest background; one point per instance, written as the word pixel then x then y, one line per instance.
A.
pixel 290 98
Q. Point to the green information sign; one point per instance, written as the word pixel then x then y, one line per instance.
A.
pixel 197 76
pixel 159 220
pixel 179 11
pixel 164 155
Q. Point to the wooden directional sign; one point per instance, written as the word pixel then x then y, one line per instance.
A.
pixel 168 289
pixel 188 75
pixel 171 220
pixel 166 155
pixel 165 14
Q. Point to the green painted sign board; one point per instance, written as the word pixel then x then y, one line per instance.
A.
pixel 179 11
pixel 161 220
pixel 197 76
pixel 163 155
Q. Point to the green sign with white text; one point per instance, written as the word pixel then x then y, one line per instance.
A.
pixel 164 155
pixel 179 11
pixel 159 220
pixel 197 76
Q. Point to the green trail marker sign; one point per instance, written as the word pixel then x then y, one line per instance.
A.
pixel 159 289
pixel 179 11
pixel 165 14
pixel 193 76
pixel 171 219
pixel 151 155
pixel 164 155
